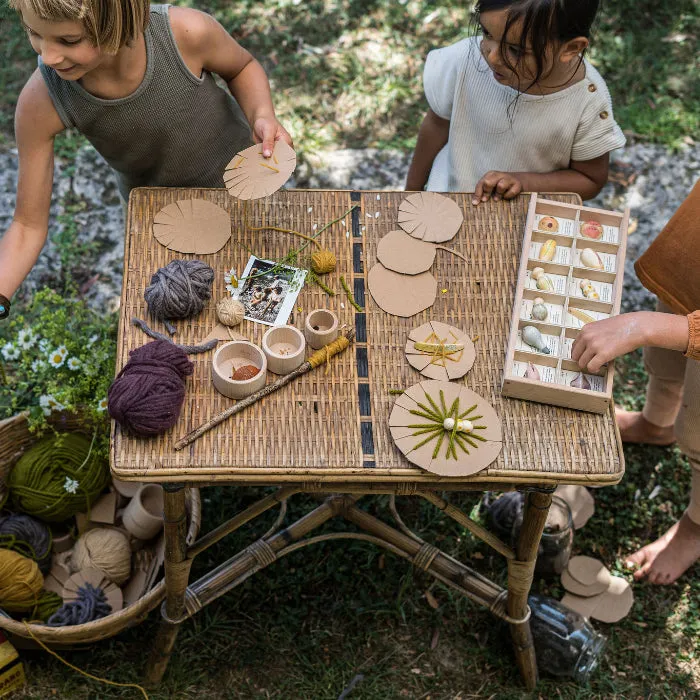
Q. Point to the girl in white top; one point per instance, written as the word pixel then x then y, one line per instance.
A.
pixel 517 108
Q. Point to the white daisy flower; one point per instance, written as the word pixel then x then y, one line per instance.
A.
pixel 26 338
pixel 71 485
pixel 93 339
pixel 62 349
pixel 49 404
pixel 44 344
pixel 102 406
pixel 10 351
pixel 38 365
pixel 56 359
pixel 73 363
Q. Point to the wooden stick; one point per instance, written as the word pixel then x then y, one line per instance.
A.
pixel 454 252
pixel 320 357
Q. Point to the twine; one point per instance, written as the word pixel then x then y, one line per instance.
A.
pixel 230 311
pixel 323 262
pixel 27 536
pixel 57 477
pixel 106 550
pixel 90 605
pixel 327 351
pixel 187 349
pixel 179 290
pixel 49 602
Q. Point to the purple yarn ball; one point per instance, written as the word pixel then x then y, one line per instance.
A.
pixel 147 395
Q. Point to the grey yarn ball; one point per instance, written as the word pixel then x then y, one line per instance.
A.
pixel 179 290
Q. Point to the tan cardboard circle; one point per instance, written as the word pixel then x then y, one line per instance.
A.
pixel 402 253
pixel 97 579
pixel 192 226
pixel 615 603
pixel 432 363
pixel 430 217
pixel 401 295
pixel 573 586
pixel 583 606
pixel 250 175
pixel 588 571
pixel 580 501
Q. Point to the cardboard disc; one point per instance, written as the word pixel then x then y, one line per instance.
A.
pixel 401 295
pixel 426 405
pixel 402 253
pixel 249 175
pixel 192 226
pixel 583 606
pixel 430 217
pixel 435 364
pixel 96 578
pixel 615 603
pixel 588 571
pixel 573 586
pixel 580 501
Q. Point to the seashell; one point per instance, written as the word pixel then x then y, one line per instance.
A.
pixel 581 315
pixel 580 382
pixel 537 272
pixel 591 229
pixel 244 373
pixel 548 223
pixel 465 426
pixel 588 290
pixel 548 250
pixel 534 339
pixel 532 372
pixel 590 258
pixel 539 310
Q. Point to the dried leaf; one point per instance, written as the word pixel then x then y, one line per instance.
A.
pixel 432 601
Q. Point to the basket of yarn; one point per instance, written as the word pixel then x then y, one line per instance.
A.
pixel 24 540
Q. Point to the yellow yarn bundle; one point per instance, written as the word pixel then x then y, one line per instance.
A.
pixel 106 550
pixel 230 311
pixel 323 261
pixel 20 582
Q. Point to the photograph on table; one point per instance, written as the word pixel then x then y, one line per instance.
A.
pixel 269 291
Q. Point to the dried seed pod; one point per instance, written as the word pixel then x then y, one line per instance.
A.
pixel 531 372
pixel 244 373
pixel 590 258
pixel 592 230
pixel 581 315
pixel 588 290
pixel 534 339
pixel 580 381
pixel 539 310
pixel 548 223
pixel 548 250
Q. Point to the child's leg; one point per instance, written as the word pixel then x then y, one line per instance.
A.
pixel 678 549
pixel 654 425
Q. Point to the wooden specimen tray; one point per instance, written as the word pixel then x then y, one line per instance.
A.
pixel 565 273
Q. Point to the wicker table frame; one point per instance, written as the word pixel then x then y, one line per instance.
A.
pixel 300 454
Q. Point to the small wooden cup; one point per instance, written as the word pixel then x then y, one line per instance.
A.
pixel 126 488
pixel 284 349
pixel 143 517
pixel 321 328
pixel 228 358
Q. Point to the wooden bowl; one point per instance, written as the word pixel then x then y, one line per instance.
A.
pixel 321 328
pixel 231 356
pixel 284 348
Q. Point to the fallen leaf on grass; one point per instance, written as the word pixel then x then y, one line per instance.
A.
pixel 432 601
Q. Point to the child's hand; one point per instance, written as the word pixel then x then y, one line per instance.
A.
pixel 267 130
pixel 497 185
pixel 605 340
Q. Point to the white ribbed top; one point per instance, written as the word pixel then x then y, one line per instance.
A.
pixel 540 133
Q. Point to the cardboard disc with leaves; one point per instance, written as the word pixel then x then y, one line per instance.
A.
pixel 430 217
pixel 250 175
pixel 440 351
pixel 446 428
pixel 192 226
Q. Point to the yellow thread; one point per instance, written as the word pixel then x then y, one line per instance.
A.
pixel 269 167
pixel 274 157
pixel 439 350
pixel 325 353
pixel 79 670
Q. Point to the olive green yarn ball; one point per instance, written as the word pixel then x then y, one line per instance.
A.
pixel 57 477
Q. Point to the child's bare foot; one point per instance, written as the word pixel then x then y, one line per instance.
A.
pixel 664 561
pixel 634 427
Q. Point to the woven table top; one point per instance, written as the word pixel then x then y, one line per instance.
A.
pixel 331 425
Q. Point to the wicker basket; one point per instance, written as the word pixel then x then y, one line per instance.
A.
pixel 14 439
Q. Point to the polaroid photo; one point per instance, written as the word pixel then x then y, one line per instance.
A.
pixel 268 291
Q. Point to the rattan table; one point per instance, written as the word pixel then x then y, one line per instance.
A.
pixel 327 433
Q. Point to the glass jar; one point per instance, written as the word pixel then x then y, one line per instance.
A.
pixel 565 643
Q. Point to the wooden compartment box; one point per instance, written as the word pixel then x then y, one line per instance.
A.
pixel 573 294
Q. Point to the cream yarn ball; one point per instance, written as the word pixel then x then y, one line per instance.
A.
pixel 230 311
pixel 106 550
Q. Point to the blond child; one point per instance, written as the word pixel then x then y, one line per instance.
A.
pixel 517 108
pixel 670 337
pixel 138 81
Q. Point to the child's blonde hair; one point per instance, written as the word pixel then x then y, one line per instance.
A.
pixel 110 24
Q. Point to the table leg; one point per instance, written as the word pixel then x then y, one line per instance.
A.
pixel 520 576
pixel 177 571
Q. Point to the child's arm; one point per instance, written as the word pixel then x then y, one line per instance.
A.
pixel 205 45
pixel 605 340
pixel 585 177
pixel 36 125
pixel 432 136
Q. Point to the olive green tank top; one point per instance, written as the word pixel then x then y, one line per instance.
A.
pixel 174 130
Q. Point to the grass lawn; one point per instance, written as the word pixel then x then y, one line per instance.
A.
pixel 347 73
